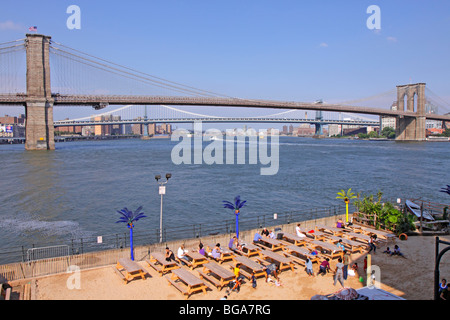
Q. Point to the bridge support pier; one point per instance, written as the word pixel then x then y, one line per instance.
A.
pixel 411 128
pixel 39 125
pixel 39 103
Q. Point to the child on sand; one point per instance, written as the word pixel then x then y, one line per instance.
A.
pixel 397 252
pixel 309 267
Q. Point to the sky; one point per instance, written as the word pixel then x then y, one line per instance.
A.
pixel 282 50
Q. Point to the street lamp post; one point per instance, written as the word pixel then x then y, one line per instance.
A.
pixel 162 191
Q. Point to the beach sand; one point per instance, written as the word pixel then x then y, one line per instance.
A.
pixel 411 278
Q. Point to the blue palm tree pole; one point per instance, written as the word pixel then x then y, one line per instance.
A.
pixel 236 206
pixel 129 217
pixel 446 190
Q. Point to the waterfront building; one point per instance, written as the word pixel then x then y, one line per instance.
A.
pixel 389 121
pixel 334 130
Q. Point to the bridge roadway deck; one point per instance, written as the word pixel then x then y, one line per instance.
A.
pixel 93 100
pixel 66 123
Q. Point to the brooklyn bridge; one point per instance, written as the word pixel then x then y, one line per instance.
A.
pixel 41 98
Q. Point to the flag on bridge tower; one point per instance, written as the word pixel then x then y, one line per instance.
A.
pixel 34 28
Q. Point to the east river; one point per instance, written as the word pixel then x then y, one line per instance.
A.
pixel 75 191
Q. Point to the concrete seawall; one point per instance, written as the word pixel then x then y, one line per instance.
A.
pixel 25 271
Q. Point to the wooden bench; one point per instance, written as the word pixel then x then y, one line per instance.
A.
pixel 225 254
pixel 210 278
pixel 383 235
pixel 251 265
pixel 301 253
pixel 294 239
pixel 132 269
pixel 249 250
pixel 121 276
pixel 298 260
pixel 331 230
pixel 160 264
pixel 352 246
pixel 186 282
pixel 196 259
pixel 183 289
pixel 281 260
pixel 242 271
pixel 269 243
pixel 331 251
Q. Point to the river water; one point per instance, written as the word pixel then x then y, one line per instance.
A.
pixel 76 190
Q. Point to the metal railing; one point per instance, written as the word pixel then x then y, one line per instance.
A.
pixel 121 240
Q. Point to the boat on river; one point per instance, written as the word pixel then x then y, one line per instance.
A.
pixel 415 209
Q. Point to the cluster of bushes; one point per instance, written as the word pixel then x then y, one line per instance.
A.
pixel 383 214
pixel 387 132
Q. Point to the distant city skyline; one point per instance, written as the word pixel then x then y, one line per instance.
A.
pixel 294 50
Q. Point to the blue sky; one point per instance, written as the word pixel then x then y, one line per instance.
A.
pixel 286 50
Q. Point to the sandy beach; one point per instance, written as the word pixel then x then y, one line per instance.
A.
pixel 410 278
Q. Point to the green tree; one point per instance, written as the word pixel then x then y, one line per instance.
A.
pixel 373 134
pixel 446 133
pixel 388 132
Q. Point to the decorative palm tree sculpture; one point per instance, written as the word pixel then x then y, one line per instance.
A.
pixel 346 196
pixel 446 190
pixel 129 217
pixel 236 206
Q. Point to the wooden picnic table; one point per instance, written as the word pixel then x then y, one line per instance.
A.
pixel 284 262
pixel 132 269
pixel 225 254
pixel 301 251
pixel 186 282
pixel 160 264
pixel 253 266
pixel 334 251
pixel 333 230
pixel 354 228
pixel 196 259
pixel 353 246
pixel 298 241
pixel 383 234
pixel 249 250
pixel 216 274
pixel 272 244
pixel 317 235
pixel 357 236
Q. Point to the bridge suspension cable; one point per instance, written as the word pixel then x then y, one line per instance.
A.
pixel 377 96
pixel 12 63
pixel 433 97
pixel 105 65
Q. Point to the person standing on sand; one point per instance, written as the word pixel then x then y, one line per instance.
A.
pixel 346 262
pixel 372 244
pixel 339 273
pixel 309 267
